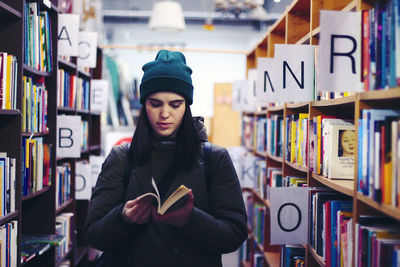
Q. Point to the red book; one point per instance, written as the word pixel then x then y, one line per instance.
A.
pixel 365 59
pixel 328 229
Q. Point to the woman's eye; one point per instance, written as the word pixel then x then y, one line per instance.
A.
pixel 155 105
pixel 176 105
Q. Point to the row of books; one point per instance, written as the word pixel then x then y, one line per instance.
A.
pixel 82 94
pixel 35 245
pixel 332 147
pixel 378 155
pixel 380 45
pixel 328 211
pixel 63 183
pixel 296 141
pixel 260 125
pixel 7 184
pixel 292 256
pixel 8 81
pixel 274 135
pixel 37 31
pixel 84 135
pixel 36 168
pixel 248 132
pixel 64 228
pixel 67 87
pixel 34 105
pixel 8 244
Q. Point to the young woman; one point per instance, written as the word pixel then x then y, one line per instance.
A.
pixel 167 146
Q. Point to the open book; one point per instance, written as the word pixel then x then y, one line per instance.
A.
pixel 174 197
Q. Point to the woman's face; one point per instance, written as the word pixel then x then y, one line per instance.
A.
pixel 165 112
pixel 348 142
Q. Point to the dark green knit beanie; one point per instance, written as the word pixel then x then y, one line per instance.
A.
pixel 168 72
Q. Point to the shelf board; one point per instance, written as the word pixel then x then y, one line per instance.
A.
pixel 66 109
pixel 30 196
pixel 62 63
pixel 272 258
pixel 296 167
pixel 275 158
pixel 316 257
pixel 83 111
pixel 260 154
pixel 261 113
pixel 245 263
pixel 352 6
pixel 344 186
pixel 389 210
pixel 95 147
pixel 80 254
pixel 304 39
pixel 8 13
pixel 95 113
pixel 85 151
pixel 64 206
pixel 316 31
pixel 299 105
pixel 31 71
pixel 259 198
pixel 388 94
pixel 347 100
pixel 275 109
pixel 29 134
pixel 84 74
pixel 9 217
pixel 11 112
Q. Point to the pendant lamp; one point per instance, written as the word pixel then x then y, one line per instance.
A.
pixel 167 16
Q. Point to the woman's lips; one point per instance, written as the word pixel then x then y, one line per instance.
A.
pixel 164 125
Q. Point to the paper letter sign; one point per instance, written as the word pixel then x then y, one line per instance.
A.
pixel 339 64
pixel 295 73
pixel 95 165
pixel 69 136
pixel 83 181
pixel 87 49
pixel 68 34
pixel 265 80
pixel 99 95
pixel 289 215
pixel 237 94
pixel 251 97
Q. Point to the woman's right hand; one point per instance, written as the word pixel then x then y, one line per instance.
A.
pixel 137 210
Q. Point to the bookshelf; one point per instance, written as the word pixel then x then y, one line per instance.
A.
pixel 299 24
pixel 36 212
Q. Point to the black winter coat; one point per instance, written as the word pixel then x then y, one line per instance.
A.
pixel 217 224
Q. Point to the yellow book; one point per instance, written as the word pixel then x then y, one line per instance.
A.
pixel 2 167
pixel 174 197
pixel 319 147
pixel 8 86
pixel 300 144
pixel 293 142
pixel 387 191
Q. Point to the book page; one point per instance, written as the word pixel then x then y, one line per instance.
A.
pixel 174 197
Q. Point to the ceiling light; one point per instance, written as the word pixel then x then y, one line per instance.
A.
pixel 167 16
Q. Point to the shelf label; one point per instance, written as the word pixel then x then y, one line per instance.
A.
pixel 339 63
pixel 266 80
pixel 289 215
pixel 83 181
pixel 238 88
pixel 68 34
pixel 294 72
pixel 87 49
pixel 69 136
pixel 95 165
pixel 99 95
pixel 250 95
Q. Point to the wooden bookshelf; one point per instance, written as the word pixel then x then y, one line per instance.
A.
pixel 300 24
pixel 36 213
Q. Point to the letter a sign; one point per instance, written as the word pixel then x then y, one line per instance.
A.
pixel 68 34
pixel 69 136
pixel 289 216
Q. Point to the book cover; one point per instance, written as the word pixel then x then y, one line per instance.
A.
pixel 341 151
pixel 337 206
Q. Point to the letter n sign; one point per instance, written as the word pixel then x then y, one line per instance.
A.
pixel 69 136
pixel 288 215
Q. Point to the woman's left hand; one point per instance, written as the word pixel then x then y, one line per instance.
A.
pixel 178 218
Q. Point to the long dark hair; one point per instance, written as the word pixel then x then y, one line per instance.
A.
pixel 187 141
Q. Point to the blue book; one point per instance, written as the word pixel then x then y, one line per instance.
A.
pixel 359 156
pixel 335 207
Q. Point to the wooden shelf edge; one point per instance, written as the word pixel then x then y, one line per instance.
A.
pixel 32 71
pixel 29 134
pixel 260 154
pixel 297 105
pixel 334 102
pixel 296 167
pixel 335 184
pixel 316 257
pixel 30 196
pixel 389 210
pixel 381 94
pixel 11 11
pixel 352 6
pixel 64 206
pixel 8 217
pixel 273 258
pixel 245 263
pixel 65 64
pixel 275 158
pixel 276 108
pixel 10 112
pixel 84 74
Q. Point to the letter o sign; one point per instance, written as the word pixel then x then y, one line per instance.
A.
pixel 286 208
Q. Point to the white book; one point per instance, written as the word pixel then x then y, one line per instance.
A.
pixel 13 165
pixel 341 152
